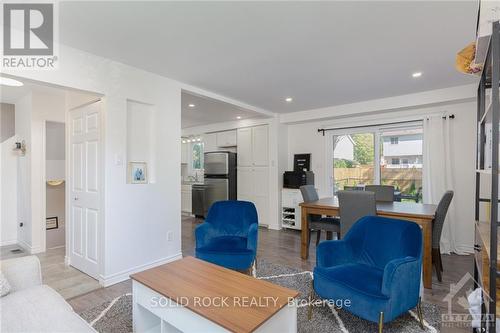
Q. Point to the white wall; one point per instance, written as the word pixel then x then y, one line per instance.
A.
pixel 304 138
pixel 8 195
pixel 137 218
pixel 23 132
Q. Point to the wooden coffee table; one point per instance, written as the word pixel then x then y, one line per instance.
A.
pixel 191 295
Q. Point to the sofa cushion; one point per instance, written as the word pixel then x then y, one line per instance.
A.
pixel 361 278
pixel 4 285
pixel 39 309
pixel 226 244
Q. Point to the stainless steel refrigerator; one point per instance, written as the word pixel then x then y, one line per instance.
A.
pixel 219 184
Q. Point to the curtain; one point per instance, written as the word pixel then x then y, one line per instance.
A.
pixel 439 175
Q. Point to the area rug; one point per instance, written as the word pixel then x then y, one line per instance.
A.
pixel 116 316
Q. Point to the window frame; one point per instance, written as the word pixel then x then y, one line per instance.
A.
pixel 377 131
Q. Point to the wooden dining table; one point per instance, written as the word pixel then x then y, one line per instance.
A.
pixel 422 214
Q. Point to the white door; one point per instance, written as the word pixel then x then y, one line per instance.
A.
pixel 85 185
pixel 260 146
pixel 244 147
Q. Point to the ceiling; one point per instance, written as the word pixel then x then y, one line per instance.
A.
pixel 320 53
pixel 210 111
pixel 11 95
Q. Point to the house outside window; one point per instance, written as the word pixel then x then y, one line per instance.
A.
pixel 394 141
pixel 395 161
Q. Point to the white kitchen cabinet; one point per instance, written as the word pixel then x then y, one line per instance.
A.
pixel 186 200
pixel 210 142
pixel 253 186
pixel 226 139
pixel 253 146
pixel 260 145
pixel 184 153
pixel 244 147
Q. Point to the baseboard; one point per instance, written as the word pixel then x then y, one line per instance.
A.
pixel 8 242
pixel 67 261
pixel 109 280
pixel 26 247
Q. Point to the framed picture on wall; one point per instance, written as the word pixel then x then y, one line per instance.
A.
pixel 51 223
pixel 138 172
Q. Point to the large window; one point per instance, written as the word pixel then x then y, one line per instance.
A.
pixel 354 160
pixel 380 155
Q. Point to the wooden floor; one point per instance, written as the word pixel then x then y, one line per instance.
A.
pixel 66 280
pixel 281 247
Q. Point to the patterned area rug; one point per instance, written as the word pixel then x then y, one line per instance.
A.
pixel 116 316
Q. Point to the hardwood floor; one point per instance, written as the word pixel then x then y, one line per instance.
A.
pixel 66 280
pixel 281 247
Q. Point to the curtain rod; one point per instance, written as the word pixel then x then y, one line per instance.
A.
pixel 323 130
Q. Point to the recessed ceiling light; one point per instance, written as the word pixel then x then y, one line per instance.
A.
pixel 191 105
pixel 288 99
pixel 239 117
pixel 417 74
pixel 10 82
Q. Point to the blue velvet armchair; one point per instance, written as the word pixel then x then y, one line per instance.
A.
pixel 228 237
pixel 376 267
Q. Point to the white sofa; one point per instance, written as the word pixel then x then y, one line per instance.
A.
pixel 31 306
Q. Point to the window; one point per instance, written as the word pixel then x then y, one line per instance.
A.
pixel 385 155
pixel 197 156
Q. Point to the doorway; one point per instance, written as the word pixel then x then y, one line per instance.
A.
pixel 55 189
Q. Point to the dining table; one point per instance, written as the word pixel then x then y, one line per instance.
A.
pixel 422 214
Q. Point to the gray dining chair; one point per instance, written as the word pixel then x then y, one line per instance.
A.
pixel 317 222
pixel 353 188
pixel 383 193
pixel 437 228
pixel 354 205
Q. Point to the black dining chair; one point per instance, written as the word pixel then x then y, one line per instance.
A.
pixel 437 228
pixel 317 222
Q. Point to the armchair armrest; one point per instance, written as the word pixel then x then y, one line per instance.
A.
pixel 22 273
pixel 333 253
pixel 253 233
pixel 402 276
pixel 203 233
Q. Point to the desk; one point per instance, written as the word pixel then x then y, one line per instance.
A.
pixel 421 214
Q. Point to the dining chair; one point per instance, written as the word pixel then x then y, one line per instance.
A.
pixel 352 188
pixel 317 222
pixel 437 228
pixel 354 205
pixel 383 193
